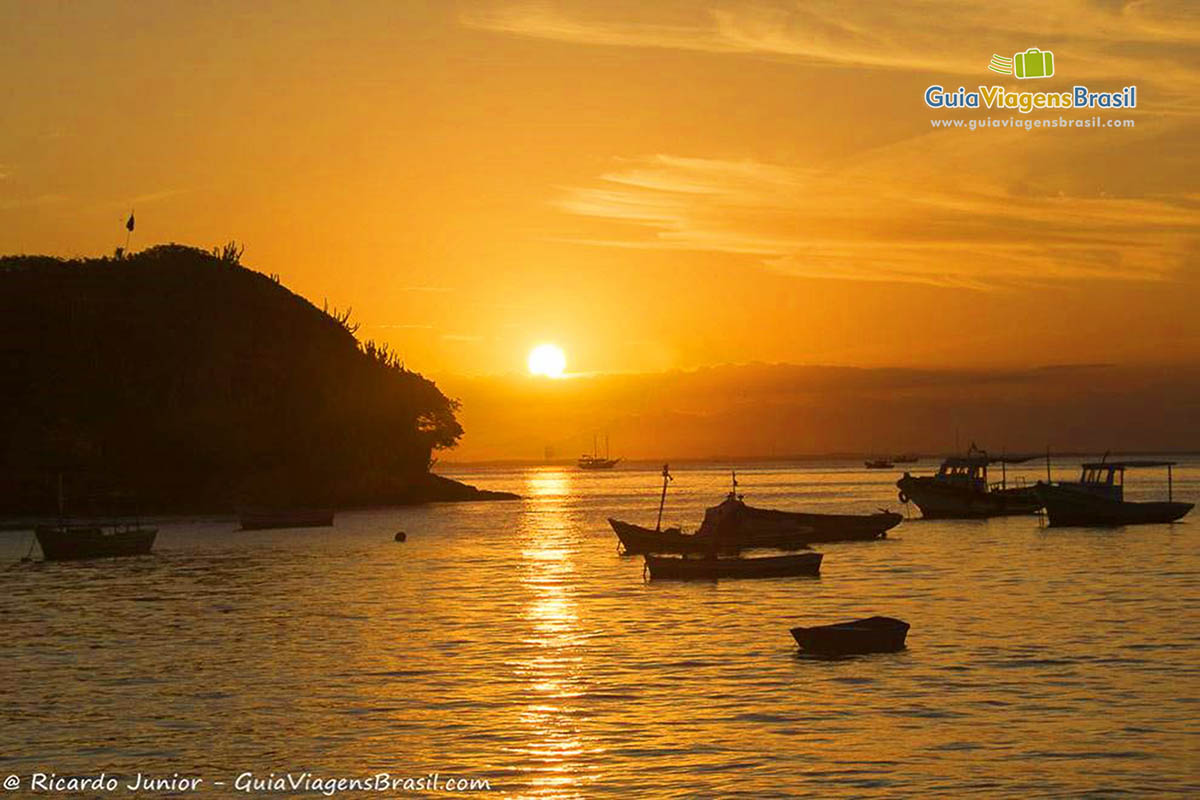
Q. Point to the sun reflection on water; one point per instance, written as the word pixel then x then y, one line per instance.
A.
pixel 552 677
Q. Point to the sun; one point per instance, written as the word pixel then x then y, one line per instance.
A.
pixel 548 360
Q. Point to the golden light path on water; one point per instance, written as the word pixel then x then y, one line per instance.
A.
pixel 554 674
pixel 510 642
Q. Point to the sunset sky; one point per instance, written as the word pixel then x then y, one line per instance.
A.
pixel 651 186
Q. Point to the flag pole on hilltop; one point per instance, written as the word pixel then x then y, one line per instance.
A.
pixel 128 230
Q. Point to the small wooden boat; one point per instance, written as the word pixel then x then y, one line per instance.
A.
pixel 73 542
pixel 960 489
pixel 636 540
pixel 871 635
pixel 878 463
pixel 683 568
pixel 296 518
pixel 1098 498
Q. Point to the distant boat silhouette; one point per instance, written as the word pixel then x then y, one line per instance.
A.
pixel 1098 497
pixel 905 458
pixel 960 489
pixel 73 541
pixel 878 463
pixel 292 518
pixel 595 461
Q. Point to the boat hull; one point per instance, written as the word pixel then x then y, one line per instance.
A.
pixel 268 520
pixel 872 635
pixel 638 541
pixel 941 500
pixel 72 543
pixel 678 568
pixel 599 463
pixel 756 527
pixel 1073 506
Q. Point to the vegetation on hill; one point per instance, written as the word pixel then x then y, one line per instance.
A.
pixel 186 382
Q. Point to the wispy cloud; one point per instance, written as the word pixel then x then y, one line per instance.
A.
pixel 881 218
pixel 398 326
pixel 982 209
pixel 461 337
pixel 1150 42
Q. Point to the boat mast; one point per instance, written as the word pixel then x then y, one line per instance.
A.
pixel 666 473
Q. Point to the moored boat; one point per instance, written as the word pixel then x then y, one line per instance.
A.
pixel 960 489
pixel 1098 498
pixel 870 635
pixel 684 568
pixel 72 542
pixel 293 518
pixel 597 461
pixel 878 463
pixel 636 540
pixel 734 521
pixel 732 525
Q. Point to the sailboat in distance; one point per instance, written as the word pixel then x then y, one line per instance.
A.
pixel 595 460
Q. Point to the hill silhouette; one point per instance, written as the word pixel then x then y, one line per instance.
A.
pixel 189 383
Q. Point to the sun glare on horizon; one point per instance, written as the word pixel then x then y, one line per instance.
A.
pixel 547 360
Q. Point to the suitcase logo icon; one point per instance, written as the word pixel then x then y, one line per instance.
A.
pixel 1033 63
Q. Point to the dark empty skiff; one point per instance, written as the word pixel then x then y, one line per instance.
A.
pixel 709 568
pixel 871 635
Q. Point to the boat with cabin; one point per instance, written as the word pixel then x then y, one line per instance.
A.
pixel 71 542
pixel 1098 497
pixel 961 489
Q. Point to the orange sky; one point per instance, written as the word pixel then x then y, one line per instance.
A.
pixel 651 185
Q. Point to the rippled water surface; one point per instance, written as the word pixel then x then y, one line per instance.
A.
pixel 509 641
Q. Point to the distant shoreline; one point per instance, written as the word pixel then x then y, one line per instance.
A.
pixel 656 463
pixel 469 494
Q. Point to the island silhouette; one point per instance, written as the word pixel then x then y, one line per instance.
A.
pixel 180 381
